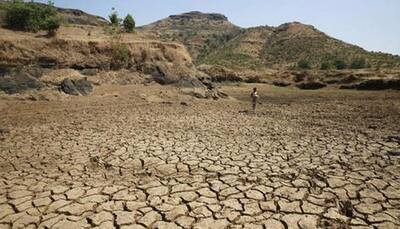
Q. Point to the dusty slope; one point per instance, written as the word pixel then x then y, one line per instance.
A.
pixel 74 48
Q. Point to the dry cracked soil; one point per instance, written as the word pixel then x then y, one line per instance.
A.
pixel 150 157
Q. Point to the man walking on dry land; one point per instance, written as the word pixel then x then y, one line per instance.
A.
pixel 254 97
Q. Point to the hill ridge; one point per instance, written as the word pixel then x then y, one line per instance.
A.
pixel 223 43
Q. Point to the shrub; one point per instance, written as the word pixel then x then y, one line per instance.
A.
pixel 120 55
pixel 51 24
pixel 304 64
pixel 31 17
pixel 359 63
pixel 114 19
pixel 327 66
pixel 340 64
pixel 129 23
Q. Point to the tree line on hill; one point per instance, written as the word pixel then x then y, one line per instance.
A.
pixel 335 63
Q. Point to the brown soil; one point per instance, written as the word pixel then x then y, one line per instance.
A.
pixel 148 156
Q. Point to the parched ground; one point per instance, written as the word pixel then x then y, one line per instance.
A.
pixel 136 157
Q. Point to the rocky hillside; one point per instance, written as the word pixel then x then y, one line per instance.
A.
pixel 199 32
pixel 212 39
pixel 73 49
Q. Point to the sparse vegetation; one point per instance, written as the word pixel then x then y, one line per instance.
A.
pixel 340 64
pixel 32 17
pixel 327 66
pixel 129 23
pixel 359 63
pixel 304 64
pixel 120 55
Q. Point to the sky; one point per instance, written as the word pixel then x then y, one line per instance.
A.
pixel 371 24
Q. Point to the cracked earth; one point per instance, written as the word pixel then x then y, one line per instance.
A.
pixel 149 157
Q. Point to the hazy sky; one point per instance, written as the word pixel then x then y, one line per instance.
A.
pixel 371 24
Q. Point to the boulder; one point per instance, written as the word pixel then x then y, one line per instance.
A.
pixel 18 82
pixel 281 83
pixel 379 84
pixel 84 86
pixel 375 84
pixel 311 85
pixel 190 82
pixel 76 87
pixel 220 74
pixel 68 87
pixel 349 79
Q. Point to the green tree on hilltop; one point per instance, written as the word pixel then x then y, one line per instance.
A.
pixel 129 23
pixel 114 19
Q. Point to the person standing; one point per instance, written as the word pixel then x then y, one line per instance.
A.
pixel 254 97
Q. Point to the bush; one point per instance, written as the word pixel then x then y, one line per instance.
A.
pixel 359 63
pixel 129 23
pixel 51 24
pixel 327 66
pixel 114 19
pixel 31 17
pixel 120 55
pixel 340 64
pixel 304 64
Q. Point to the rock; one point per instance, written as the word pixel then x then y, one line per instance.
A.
pixel 375 84
pixel 190 82
pixel 89 71
pixel 76 87
pixel 18 82
pixel 84 86
pixel 311 85
pixel 4 131
pixel 281 83
pixel 349 79
pixel 68 87
pixel 351 86
pixel 254 79
pixel 220 74
pixel 299 76
pixel 46 61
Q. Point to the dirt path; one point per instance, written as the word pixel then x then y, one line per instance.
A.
pixel 135 157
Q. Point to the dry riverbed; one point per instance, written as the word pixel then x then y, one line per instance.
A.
pixel 150 157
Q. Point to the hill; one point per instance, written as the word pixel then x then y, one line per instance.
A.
pixel 199 32
pixel 212 39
